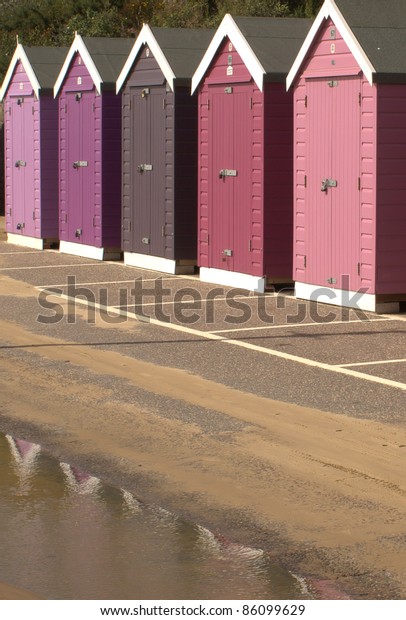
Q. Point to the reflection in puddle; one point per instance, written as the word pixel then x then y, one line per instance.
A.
pixel 65 534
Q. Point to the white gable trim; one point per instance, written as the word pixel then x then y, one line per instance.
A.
pixel 78 46
pixel 330 9
pixel 146 37
pixel 20 54
pixel 228 28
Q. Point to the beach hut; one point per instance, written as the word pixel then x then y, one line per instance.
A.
pixel 245 169
pixel 90 147
pixel 349 84
pixel 159 192
pixel 31 146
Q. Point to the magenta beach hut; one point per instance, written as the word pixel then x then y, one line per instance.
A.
pixel 349 85
pixel 159 197
pixel 245 169
pixel 90 147
pixel 31 146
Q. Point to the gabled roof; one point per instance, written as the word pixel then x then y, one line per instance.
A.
pixel 267 45
pixel 374 31
pixel 41 64
pixel 178 51
pixel 103 58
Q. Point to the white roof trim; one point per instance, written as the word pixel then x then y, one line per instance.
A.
pixel 20 54
pixel 146 37
pixel 228 28
pixel 78 46
pixel 330 9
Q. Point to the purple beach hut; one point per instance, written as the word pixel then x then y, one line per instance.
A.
pixel 31 146
pixel 90 147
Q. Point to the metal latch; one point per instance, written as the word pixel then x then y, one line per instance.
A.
pixel 80 164
pixel 325 183
pixel 145 167
pixel 20 163
pixel 144 92
pixel 20 226
pixel 78 232
pixel 332 83
pixel 146 240
pixel 332 280
pixel 227 252
pixel 227 173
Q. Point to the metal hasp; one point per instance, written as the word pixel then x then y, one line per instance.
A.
pixel 325 183
pixel 145 168
pixel 227 173
pixel 20 163
pixel 78 232
pixel 227 252
pixel 20 226
pixel 146 240
pixel 332 280
pixel 80 164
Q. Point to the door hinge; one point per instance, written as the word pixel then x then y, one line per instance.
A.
pixel 250 245
pixel 359 98
pixel 163 230
pixel 208 104
pixel 305 101
pixel 130 104
pixel 163 104
pixel 305 261
pixel 65 108
pixel 32 110
pixel 208 239
pixel 251 103
pixel 130 226
pixel 305 180
pixel 66 218
pixel 94 221
pixel 33 215
pixel 359 183
pixel 94 107
pixel 359 269
pixel 10 211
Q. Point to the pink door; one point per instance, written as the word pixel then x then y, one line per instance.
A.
pixel 22 171
pixel 230 129
pixel 81 190
pixel 333 171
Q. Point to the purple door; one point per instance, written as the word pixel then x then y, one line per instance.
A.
pixel 230 131
pixel 81 187
pixel 333 180
pixel 22 171
pixel 148 170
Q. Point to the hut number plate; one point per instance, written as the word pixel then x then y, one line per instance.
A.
pixel 80 164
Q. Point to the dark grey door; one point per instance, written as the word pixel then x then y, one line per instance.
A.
pixel 148 170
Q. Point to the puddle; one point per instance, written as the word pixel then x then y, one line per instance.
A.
pixel 67 535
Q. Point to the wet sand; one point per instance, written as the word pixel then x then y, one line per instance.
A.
pixel 10 593
pixel 322 493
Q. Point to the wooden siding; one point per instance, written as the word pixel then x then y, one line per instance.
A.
pixel 94 199
pixel 49 166
pixel 319 65
pixel 108 140
pixel 391 189
pixel 126 217
pixel 217 74
pixel 278 181
pixel 217 71
pixel 185 175
pixel 322 61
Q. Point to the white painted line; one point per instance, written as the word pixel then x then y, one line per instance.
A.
pixel 394 317
pixel 373 363
pixel 45 286
pixel 238 343
pixel 50 266
pixel 20 252
pixel 288 326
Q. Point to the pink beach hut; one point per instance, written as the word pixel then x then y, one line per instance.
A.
pixel 31 146
pixel 349 86
pixel 245 184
